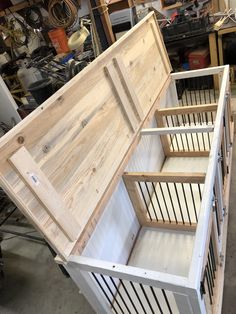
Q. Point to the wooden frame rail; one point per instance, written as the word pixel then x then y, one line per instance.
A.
pixel 195 120
pixel 197 73
pixel 109 282
pixel 198 86
pixel 177 130
pixel 187 109
pixel 166 200
pixel 41 187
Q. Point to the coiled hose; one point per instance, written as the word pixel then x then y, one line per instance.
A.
pixel 62 13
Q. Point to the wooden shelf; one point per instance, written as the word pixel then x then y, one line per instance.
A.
pixel 18 7
pixel 173 6
pixel 117 5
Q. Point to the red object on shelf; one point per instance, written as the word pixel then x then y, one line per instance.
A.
pixel 199 59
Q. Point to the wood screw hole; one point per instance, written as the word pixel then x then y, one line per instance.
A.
pixel 46 148
pixel 20 139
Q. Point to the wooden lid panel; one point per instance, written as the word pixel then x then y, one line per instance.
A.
pixel 57 163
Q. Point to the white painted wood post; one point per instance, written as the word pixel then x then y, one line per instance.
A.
pixel 197 302
pixel 227 125
pixel 183 303
pixel 89 289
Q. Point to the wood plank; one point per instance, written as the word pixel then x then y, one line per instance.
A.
pixel 220 50
pixel 162 280
pixel 226 30
pixel 136 200
pixel 124 100
pixel 177 130
pixel 117 5
pixel 45 192
pixel 164 138
pixel 165 244
pixel 187 109
pixel 177 5
pixel 170 225
pixel 177 177
pixel 163 52
pixel 213 49
pixel 91 225
pixel 129 89
pixel 197 73
pixel 213 55
pixel 18 7
pixel 189 154
pixel 80 134
pixel 106 22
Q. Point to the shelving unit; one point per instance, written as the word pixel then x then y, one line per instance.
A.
pixel 18 7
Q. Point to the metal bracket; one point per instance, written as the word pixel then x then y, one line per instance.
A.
pixel 202 287
pixel 222 258
pixel 225 213
pixel 220 157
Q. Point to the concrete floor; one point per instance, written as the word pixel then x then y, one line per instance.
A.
pixel 34 284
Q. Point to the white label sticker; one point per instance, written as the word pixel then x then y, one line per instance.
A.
pixel 34 178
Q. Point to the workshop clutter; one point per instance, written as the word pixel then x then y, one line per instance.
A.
pixel 185 26
pixel 35 58
pixel 41 90
pixel 63 13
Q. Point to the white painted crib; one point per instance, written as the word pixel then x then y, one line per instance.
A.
pixel 126 173
pixel 168 256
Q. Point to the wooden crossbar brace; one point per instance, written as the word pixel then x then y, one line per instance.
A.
pixel 129 89
pixel 128 99
pixel 197 73
pixel 177 130
pixel 175 177
pixel 130 180
pixel 187 109
pixel 44 191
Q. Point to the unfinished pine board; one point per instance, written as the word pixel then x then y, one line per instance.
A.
pixel 180 164
pixel 170 252
pixel 81 137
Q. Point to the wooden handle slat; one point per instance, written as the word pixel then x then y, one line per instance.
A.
pixel 175 177
pixel 39 184
pixel 123 98
pixel 128 86
pixel 187 109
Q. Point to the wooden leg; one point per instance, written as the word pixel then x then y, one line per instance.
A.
pixel 213 55
pixel 220 49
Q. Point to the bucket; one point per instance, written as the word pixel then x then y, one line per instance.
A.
pixel 59 40
pixel 41 90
